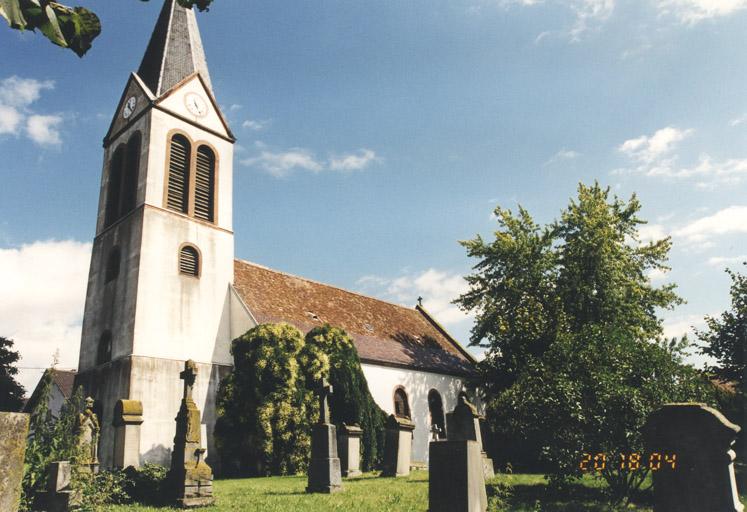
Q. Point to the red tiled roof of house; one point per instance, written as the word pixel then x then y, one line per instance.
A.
pixel 64 380
pixel 383 333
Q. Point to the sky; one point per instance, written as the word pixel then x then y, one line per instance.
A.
pixel 373 136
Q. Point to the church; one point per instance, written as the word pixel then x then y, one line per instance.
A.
pixel 165 286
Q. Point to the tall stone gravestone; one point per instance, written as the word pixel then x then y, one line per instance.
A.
pixel 456 473
pixel 689 450
pixel 128 416
pixel 349 447
pixel 190 478
pixel 324 467
pixel 464 429
pixel 397 446
pixel 14 428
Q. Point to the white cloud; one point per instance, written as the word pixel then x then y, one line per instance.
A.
pixel 44 129
pixel 282 163
pixel 651 233
pixel 738 120
pixel 563 154
pixel 41 308
pixel 255 125
pixel 10 118
pixel 588 14
pixel 16 96
pixel 679 326
pixel 731 220
pixel 725 261
pixel 651 149
pixel 437 288
pixel 22 92
pixel 694 11
pixel 655 275
pixel 352 162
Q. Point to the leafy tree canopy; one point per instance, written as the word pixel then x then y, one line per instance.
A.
pixel 575 361
pixel 11 392
pixel 69 27
pixel 726 337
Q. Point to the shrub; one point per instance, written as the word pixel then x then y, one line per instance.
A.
pixel 146 484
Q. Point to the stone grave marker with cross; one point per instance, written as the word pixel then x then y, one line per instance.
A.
pixel 324 467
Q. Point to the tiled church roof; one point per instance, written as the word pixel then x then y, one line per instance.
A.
pixel 383 333
pixel 174 51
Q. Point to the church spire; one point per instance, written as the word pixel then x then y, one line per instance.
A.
pixel 175 50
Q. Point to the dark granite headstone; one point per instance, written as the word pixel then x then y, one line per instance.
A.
pixel 15 429
pixel 325 474
pixel 690 446
pixel 455 479
pixel 397 446
pixel 190 478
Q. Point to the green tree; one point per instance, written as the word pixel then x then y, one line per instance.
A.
pixel 726 337
pixel 575 361
pixel 69 27
pixel 11 392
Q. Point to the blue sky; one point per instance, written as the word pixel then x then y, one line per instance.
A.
pixel 374 135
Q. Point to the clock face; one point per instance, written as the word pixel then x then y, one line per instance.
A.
pixel 129 107
pixel 195 104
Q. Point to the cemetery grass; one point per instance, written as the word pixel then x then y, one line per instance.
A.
pixel 370 493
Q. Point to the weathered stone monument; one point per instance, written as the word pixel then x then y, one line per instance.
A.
pixel 58 496
pixel 349 446
pixel 325 474
pixel 88 430
pixel 397 446
pixel 457 472
pixel 128 416
pixel 463 424
pixel 15 429
pixel 190 478
pixel 689 450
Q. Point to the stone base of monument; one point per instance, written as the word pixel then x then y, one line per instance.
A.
pixel 397 446
pixel 194 487
pixel 325 474
pixel 456 482
pixel 349 448
pixel 487 465
pixel 58 497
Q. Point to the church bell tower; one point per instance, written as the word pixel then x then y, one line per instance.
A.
pixel 161 270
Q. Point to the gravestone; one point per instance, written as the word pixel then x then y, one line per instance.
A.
pixel 349 447
pixel 325 474
pixel 15 429
pixel 689 450
pixel 397 446
pixel 58 496
pixel 190 478
pixel 88 430
pixel 456 479
pixel 463 424
pixel 128 416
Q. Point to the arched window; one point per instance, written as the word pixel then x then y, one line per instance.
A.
pixel 205 184
pixel 114 188
pixel 112 264
pixel 131 171
pixel 189 261
pixel 436 409
pixel 401 405
pixel 104 351
pixel 178 184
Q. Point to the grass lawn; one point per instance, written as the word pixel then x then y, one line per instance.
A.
pixel 370 493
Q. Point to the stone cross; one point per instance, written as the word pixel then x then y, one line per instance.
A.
pixel 188 376
pixel 323 391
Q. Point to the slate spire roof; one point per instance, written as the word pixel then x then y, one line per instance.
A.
pixel 174 51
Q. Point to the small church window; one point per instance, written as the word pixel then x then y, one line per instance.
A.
pixel 436 409
pixel 104 351
pixel 131 172
pixel 401 405
pixel 112 264
pixel 178 183
pixel 205 184
pixel 114 188
pixel 189 261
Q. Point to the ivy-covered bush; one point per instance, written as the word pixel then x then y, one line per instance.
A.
pixel 351 401
pixel 266 406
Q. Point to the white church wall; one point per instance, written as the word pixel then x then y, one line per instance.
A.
pixel 383 380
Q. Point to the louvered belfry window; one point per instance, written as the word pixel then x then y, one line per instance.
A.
pixel 204 184
pixel 189 261
pixel 178 185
